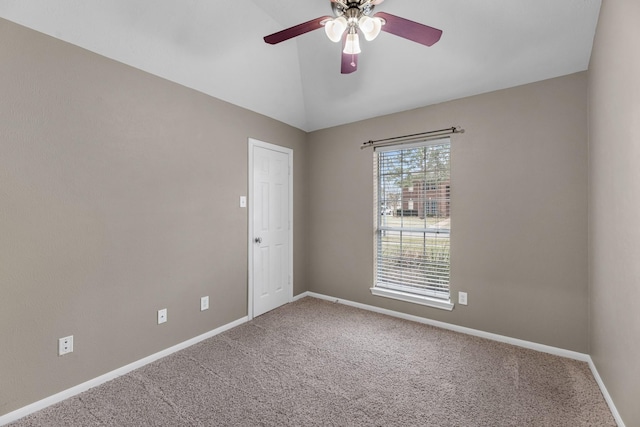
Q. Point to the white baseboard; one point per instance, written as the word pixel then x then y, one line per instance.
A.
pixel 300 296
pixel 462 329
pixel 482 334
pixel 41 404
pixel 65 394
pixel 605 393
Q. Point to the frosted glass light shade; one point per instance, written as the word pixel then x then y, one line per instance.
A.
pixel 352 46
pixel 335 28
pixel 370 27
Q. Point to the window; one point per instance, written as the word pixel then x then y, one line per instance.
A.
pixel 412 243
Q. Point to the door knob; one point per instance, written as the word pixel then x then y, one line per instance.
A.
pixel 258 239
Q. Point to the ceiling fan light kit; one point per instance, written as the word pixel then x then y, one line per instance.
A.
pixel 352 44
pixel 335 27
pixel 370 27
pixel 353 17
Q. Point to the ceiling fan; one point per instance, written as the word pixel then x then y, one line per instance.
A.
pixel 353 17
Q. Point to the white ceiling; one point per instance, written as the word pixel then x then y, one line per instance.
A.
pixel 216 47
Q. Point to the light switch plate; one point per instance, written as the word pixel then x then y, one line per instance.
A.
pixel 243 201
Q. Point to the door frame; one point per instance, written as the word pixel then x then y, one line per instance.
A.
pixel 289 152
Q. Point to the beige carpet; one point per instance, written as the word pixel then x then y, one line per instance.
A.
pixel 316 363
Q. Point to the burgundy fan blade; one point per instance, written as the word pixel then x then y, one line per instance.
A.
pixel 349 63
pixel 299 29
pixel 411 30
pixel 349 60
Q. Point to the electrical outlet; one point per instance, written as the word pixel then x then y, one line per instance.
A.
pixel 204 303
pixel 162 316
pixel 65 345
pixel 462 298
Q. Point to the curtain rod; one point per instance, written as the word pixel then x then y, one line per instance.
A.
pixel 411 138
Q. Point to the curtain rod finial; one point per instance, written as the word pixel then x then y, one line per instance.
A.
pixel 366 144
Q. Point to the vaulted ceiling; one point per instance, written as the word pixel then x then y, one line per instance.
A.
pixel 216 47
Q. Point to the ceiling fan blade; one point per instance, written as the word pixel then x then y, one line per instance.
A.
pixel 299 29
pixel 349 63
pixel 410 30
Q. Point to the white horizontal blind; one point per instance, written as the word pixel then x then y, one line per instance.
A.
pixel 413 217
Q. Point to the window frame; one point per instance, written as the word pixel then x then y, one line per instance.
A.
pixel 408 293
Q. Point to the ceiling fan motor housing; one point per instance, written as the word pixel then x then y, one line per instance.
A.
pixel 352 8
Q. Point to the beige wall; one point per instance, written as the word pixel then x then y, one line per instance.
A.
pixel 519 210
pixel 614 204
pixel 119 196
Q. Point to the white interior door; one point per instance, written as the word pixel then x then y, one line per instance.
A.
pixel 270 231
